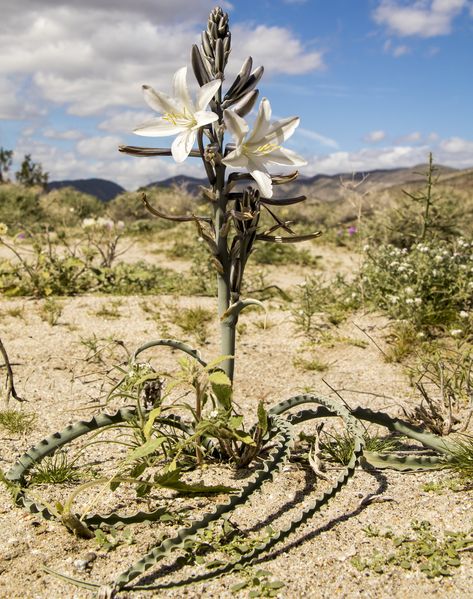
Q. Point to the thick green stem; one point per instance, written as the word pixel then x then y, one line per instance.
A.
pixel 227 326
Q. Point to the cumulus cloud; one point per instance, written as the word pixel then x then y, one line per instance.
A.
pixel 276 48
pixel 68 134
pixel 95 158
pixel 94 58
pixel 161 11
pixel 422 18
pixel 104 146
pixel 124 121
pixel 457 145
pixel 455 152
pixel 375 136
pixel 319 138
pixel 413 137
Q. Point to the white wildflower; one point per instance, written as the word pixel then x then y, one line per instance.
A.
pixel 181 116
pixel 262 146
pixel 88 222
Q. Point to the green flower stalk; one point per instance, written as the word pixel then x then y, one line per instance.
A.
pixel 234 225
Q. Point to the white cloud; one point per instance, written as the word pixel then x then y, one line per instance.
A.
pixel 400 51
pixel 159 11
pixel 101 159
pixel 375 136
pixel 94 58
pixel 98 157
pixel 274 47
pixel 413 137
pixel 13 105
pixel 455 152
pixel 422 18
pixel 368 159
pixel 314 136
pixel 395 50
pixel 100 147
pixel 68 134
pixel 457 146
pixel 124 121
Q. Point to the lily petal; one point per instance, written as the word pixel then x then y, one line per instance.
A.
pixel 282 130
pixel 203 117
pixel 160 102
pixel 286 157
pixel 262 122
pixel 158 127
pixel 236 158
pixel 206 93
pixel 182 145
pixel 262 177
pixel 180 89
pixel 237 125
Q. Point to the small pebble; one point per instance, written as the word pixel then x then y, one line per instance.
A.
pixel 90 557
pixel 81 564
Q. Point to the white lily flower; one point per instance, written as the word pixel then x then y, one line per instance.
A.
pixel 181 116
pixel 262 146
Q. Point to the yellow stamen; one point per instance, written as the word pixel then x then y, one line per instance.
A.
pixel 179 119
pixel 267 148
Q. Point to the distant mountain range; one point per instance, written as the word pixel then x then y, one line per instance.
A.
pixel 325 188
pixel 100 188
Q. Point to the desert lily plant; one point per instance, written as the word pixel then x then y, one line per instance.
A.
pixel 149 429
pixel 236 199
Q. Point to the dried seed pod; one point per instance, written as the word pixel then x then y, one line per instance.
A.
pixel 213 31
pixel 207 46
pixel 227 44
pixel 251 82
pixel 199 67
pixel 219 58
pixel 241 78
pixel 245 105
pixel 281 179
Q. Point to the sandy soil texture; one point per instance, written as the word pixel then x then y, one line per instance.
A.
pixel 57 372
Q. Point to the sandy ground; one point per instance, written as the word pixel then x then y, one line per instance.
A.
pixel 62 384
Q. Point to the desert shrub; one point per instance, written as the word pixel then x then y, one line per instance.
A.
pixel 275 253
pixel 20 204
pixel 55 266
pixel 425 211
pixel 400 222
pixel 317 301
pixel 429 285
pixel 129 206
pixel 67 207
pixel 137 278
pixel 443 376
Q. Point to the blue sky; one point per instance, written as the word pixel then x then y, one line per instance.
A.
pixel 377 83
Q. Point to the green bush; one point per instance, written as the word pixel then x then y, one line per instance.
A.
pixel 316 298
pixel 67 207
pixel 20 205
pixel 430 284
pixel 276 253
